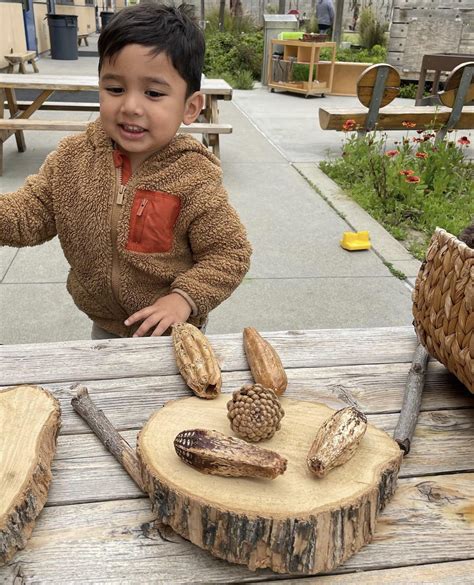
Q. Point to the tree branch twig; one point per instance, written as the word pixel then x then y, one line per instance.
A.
pixel 412 399
pixel 106 432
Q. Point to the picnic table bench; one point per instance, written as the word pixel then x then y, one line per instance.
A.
pixel 378 86
pixel 20 59
pixel 81 38
pixel 208 125
pixel 97 526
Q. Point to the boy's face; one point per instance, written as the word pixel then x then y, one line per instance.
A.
pixel 143 101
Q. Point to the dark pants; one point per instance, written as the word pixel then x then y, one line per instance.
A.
pixel 324 28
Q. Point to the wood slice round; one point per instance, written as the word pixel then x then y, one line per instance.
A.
pixel 366 85
pixel 295 523
pixel 30 418
pixel 448 96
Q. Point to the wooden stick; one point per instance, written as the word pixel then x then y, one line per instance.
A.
pixel 103 428
pixel 412 399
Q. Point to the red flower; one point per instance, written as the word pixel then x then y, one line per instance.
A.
pixel 391 153
pixel 464 141
pixel 419 131
pixel 349 125
pixel 412 179
pixel 415 139
pixel 421 155
pixel 407 173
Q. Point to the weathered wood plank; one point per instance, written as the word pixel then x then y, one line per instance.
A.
pixel 217 87
pixel 376 388
pixel 83 470
pixel 81 125
pixel 393 117
pixel 126 358
pixel 458 573
pixel 429 520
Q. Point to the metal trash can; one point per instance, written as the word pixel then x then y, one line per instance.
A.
pixel 274 24
pixel 106 17
pixel 63 36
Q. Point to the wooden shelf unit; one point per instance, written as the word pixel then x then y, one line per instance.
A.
pixel 305 53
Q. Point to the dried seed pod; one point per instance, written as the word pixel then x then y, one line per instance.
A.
pixel 254 412
pixel 196 360
pixel 213 453
pixel 337 440
pixel 264 362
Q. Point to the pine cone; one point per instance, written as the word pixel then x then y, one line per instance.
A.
pixel 254 412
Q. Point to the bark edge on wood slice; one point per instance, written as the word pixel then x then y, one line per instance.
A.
pixel 296 523
pixel 30 418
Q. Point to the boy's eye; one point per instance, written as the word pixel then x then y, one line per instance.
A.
pixel 153 93
pixel 114 90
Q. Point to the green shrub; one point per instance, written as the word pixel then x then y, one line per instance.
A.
pixel 311 25
pixel 300 72
pixel 408 91
pixel 242 79
pixel 377 54
pixel 371 30
pixel 227 53
pixel 413 188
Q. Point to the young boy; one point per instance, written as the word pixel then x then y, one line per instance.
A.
pixel 141 213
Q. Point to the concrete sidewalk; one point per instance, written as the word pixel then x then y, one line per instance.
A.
pixel 300 277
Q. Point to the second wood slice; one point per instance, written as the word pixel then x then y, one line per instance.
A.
pixel 30 418
pixel 295 523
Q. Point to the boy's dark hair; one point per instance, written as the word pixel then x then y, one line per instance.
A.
pixel 165 29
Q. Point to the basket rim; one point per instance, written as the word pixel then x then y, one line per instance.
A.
pixel 440 232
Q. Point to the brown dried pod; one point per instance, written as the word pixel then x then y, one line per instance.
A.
pixel 196 360
pixel 254 412
pixel 336 441
pixel 213 453
pixel 264 362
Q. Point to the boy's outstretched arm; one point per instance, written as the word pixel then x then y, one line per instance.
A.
pixel 26 215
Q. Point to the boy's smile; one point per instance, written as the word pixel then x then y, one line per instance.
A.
pixel 143 101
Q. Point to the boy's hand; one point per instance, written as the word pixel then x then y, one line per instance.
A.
pixel 170 309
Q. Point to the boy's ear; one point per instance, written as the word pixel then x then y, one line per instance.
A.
pixel 194 105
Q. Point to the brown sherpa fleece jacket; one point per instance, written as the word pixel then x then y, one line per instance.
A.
pixel 204 253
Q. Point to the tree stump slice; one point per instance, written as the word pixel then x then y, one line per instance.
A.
pixel 30 418
pixel 295 523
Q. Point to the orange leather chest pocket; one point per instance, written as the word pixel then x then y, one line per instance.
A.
pixel 152 220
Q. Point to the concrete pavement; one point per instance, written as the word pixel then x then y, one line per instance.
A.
pixel 300 277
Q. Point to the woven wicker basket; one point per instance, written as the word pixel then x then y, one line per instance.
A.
pixel 443 305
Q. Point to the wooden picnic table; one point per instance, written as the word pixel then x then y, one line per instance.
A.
pixel 97 526
pixel 213 90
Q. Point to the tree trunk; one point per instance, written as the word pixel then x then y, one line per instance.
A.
pixel 29 424
pixel 295 523
pixel 221 15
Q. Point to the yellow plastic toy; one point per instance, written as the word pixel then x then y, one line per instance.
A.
pixel 355 241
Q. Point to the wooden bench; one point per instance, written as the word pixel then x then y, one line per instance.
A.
pixel 9 126
pixel 380 84
pixel 81 38
pixel 20 59
pixel 208 124
pixel 17 124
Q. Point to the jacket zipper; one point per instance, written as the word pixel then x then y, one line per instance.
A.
pixel 115 276
pixel 140 221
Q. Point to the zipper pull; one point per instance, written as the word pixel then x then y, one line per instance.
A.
pixel 142 206
pixel 120 193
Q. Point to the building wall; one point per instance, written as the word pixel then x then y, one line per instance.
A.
pixel 85 21
pixel 422 27
pixel 12 31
